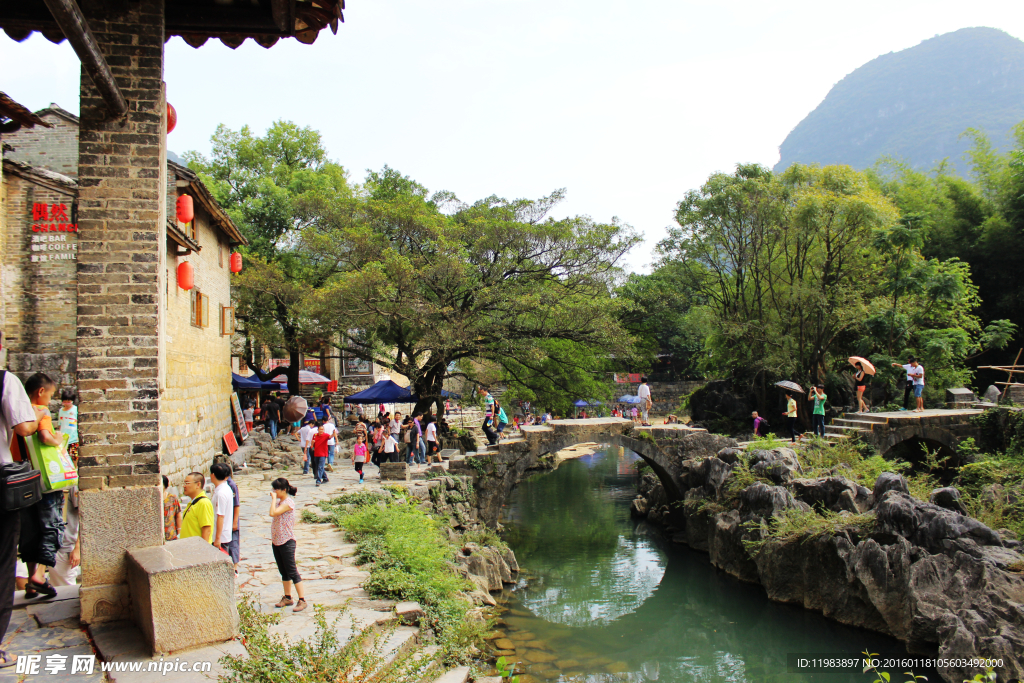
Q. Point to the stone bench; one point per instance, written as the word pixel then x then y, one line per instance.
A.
pixel 449 453
pixel 183 594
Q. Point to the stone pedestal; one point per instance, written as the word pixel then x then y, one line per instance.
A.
pixel 183 594
pixel 394 471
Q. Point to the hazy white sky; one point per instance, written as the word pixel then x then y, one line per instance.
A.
pixel 626 104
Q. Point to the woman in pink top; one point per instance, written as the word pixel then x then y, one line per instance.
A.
pixel 282 539
pixel 359 455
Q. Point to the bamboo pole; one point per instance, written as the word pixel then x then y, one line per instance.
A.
pixel 1010 378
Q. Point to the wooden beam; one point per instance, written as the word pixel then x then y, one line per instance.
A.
pixel 72 22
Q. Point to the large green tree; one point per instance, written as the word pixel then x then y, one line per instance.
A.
pixel 279 188
pixel 431 284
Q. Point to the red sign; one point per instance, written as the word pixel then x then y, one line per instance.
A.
pixel 627 378
pixel 332 386
pixel 311 364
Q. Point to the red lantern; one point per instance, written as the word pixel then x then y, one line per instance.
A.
pixel 184 209
pixel 186 276
pixel 172 118
pixel 236 262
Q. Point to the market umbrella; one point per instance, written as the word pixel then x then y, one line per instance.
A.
pixel 792 386
pixel 869 369
pixel 384 391
pixel 584 404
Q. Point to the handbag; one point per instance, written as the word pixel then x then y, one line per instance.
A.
pixel 53 462
pixel 20 486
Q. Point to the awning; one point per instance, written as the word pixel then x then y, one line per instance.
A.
pixel 239 383
pixel 384 391
pixel 583 404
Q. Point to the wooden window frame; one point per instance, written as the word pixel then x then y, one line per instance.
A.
pixel 200 309
pixel 227 320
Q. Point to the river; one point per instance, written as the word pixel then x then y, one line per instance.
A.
pixel 605 598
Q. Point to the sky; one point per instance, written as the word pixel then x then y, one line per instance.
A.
pixel 627 105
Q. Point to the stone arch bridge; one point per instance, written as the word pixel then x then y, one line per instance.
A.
pixel 935 427
pixel 663 447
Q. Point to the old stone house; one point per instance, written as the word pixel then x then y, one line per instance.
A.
pixel 40 285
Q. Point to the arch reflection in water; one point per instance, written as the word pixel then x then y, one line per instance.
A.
pixel 607 599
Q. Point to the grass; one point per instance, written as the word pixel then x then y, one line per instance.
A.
pixel 804 525
pixel 410 558
pixel 320 658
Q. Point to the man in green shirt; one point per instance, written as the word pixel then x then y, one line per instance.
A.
pixel 197 519
pixel 818 414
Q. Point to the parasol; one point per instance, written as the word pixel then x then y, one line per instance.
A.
pixel 869 369
pixel 791 386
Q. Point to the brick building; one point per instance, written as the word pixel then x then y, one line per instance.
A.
pixel 39 308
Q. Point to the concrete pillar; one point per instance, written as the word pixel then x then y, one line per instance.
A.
pixel 122 209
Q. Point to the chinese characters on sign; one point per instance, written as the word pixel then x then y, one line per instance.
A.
pixel 56 245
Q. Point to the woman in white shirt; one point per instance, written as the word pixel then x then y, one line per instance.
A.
pixel 431 436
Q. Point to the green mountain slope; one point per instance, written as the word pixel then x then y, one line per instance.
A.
pixel 915 103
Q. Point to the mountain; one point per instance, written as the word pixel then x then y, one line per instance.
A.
pixel 914 104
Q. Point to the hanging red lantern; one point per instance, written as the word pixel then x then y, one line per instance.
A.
pixel 185 211
pixel 172 118
pixel 236 262
pixel 186 276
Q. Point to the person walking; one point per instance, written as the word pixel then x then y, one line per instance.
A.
pixel 235 548
pixel 305 437
pixel 646 403
pixel 860 382
pixel 271 413
pixel 431 437
pixel 791 415
pixel 359 455
pixel 760 425
pixel 406 439
pixel 332 443
pixel 319 440
pixel 223 506
pixel 501 419
pixel 818 413
pixel 282 540
pixel 420 446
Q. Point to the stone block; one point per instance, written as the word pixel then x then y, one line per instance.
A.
pixel 183 594
pixel 113 521
pixel 109 602
pixel 458 675
pixel 394 471
pixel 409 613
pixel 959 397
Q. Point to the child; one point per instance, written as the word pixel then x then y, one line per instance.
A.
pixel 282 539
pixel 68 420
pixel 319 442
pixel 359 455
pixel 42 524
pixel 249 417
pixel 172 512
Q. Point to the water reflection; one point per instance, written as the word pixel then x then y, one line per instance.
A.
pixel 608 599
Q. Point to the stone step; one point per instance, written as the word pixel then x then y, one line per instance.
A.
pixel 459 675
pixel 399 642
pixel 866 425
pixel 866 417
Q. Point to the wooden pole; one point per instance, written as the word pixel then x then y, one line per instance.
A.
pixel 1010 378
pixel 72 22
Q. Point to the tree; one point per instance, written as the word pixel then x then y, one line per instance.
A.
pixel 431 282
pixel 279 189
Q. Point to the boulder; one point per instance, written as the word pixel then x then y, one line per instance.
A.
pixel 889 481
pixel 409 613
pixel 992 394
pixel 949 498
pixel 829 493
pixel 725 546
pixel 730 455
pixel 779 464
pixel 638 507
pixel 929 526
pixel 760 500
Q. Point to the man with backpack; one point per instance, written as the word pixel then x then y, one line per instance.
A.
pixel 18 418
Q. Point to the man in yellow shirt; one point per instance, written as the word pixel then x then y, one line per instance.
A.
pixel 197 519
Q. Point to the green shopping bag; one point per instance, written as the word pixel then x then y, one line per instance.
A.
pixel 53 462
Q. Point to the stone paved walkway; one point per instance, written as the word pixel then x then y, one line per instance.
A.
pixel 325 563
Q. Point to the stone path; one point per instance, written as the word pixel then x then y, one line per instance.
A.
pixel 330 578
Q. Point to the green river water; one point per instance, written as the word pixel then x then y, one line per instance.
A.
pixel 605 598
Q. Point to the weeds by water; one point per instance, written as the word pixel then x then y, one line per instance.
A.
pixel 805 525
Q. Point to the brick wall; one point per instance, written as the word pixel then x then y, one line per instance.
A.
pixel 122 167
pixel 55 149
pixel 195 408
pixel 39 284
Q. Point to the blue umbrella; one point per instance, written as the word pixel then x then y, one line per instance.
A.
pixel 583 404
pixel 629 398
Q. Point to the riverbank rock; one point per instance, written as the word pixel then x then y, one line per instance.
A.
pixel 949 498
pixel 780 464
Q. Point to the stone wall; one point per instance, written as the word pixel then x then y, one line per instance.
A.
pixel 666 395
pixel 122 167
pixel 55 149
pixel 39 276
pixel 195 405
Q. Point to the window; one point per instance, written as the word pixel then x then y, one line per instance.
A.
pixel 227 320
pixel 200 309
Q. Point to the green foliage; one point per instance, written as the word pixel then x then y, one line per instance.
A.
pixel 851 458
pixel 803 525
pixel 310 517
pixel 411 559
pixel 506 668
pixel 991 480
pixel 320 658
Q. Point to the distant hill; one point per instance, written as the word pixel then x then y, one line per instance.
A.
pixel 914 104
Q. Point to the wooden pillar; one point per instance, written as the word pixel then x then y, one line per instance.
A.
pixel 122 209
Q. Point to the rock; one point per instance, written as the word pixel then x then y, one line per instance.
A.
pixel 930 526
pixel 761 501
pixel 509 557
pixel 504 644
pixel 889 481
pixel 409 613
pixel 949 498
pixel 992 394
pixel 716 472
pixel 726 547
pixel 778 464
pixel 458 675
pixel 730 455
pixel 827 493
pixel 638 507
